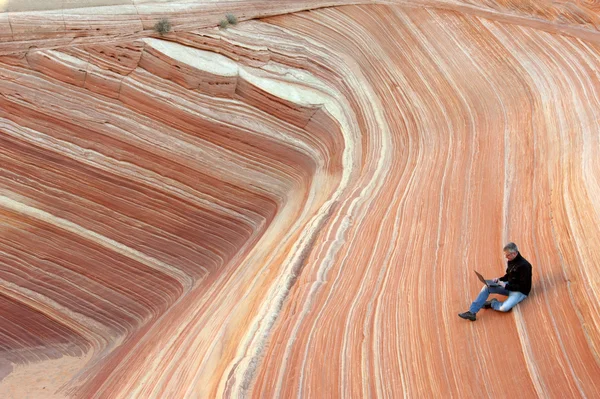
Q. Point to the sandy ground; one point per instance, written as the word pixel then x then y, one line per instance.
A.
pixel 39 5
pixel 43 379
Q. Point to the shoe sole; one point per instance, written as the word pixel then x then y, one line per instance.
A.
pixel 486 306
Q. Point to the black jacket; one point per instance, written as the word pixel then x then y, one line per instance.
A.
pixel 518 275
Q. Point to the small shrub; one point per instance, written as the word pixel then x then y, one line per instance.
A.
pixel 223 24
pixel 163 26
pixel 232 19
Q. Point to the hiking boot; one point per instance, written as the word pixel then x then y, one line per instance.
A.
pixel 468 316
pixel 488 304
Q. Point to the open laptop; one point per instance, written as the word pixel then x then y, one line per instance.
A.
pixel 489 283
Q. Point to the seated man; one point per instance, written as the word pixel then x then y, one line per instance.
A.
pixel 515 284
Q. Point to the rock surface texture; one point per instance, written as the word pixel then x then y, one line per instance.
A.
pixel 293 207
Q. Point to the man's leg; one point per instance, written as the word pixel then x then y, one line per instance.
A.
pixel 483 296
pixel 514 297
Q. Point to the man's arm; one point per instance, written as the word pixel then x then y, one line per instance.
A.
pixel 518 278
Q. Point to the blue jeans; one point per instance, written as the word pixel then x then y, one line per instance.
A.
pixel 514 297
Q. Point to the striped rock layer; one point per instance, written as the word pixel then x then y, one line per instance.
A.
pixel 293 206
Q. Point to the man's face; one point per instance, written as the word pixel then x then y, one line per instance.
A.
pixel 510 255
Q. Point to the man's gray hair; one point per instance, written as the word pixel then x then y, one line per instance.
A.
pixel 511 247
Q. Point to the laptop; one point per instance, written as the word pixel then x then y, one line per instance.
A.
pixel 489 283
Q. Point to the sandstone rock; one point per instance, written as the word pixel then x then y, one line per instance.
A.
pixel 293 206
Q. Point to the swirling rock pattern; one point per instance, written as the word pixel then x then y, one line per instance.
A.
pixel 293 206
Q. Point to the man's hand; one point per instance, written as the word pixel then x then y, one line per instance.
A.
pixel 500 283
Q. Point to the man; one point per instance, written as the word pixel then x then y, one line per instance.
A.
pixel 515 284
